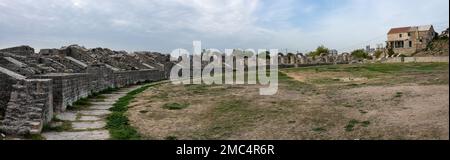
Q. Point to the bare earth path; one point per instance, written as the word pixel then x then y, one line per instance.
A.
pixel 88 123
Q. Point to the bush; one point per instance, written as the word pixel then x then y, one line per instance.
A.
pixel 360 53
pixel 319 50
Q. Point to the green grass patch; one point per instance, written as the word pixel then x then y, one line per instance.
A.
pixel 348 105
pixel 175 106
pixel 86 102
pixel 398 94
pixel 65 126
pixel 353 123
pixel 394 73
pixel 80 104
pixel 163 95
pixel 197 88
pixel 365 123
pixel 319 129
pixel 171 138
pixel 118 124
pixel 99 95
pixel 34 137
pixel 376 68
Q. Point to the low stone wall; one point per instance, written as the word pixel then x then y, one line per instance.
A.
pixel 29 107
pixel 68 88
pixel 71 87
pixel 101 77
pixel 125 78
pixel 432 59
pixel 416 59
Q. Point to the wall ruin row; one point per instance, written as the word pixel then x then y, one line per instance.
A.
pixel 35 86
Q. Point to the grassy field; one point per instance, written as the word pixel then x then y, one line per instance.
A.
pixel 370 101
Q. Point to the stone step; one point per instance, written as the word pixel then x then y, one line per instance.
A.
pixel 88 125
pixel 100 107
pixel 102 103
pixel 83 135
pixel 67 116
pixel 95 112
pixel 89 118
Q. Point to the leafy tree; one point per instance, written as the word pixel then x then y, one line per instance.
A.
pixel 319 50
pixel 360 53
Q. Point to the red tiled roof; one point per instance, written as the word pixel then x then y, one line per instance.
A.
pixel 399 30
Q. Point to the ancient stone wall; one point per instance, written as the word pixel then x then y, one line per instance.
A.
pixel 299 60
pixel 5 92
pixel 36 85
pixel 415 59
pixel 432 59
pixel 67 88
pixel 7 79
pixel 124 78
pixel 101 77
pixel 29 107
pixel 20 50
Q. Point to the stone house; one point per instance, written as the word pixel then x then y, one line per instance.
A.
pixel 409 40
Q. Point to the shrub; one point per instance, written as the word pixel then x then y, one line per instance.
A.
pixel 360 53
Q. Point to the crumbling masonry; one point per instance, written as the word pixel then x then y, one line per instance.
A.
pixel 35 86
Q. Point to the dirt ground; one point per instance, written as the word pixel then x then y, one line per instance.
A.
pixel 338 102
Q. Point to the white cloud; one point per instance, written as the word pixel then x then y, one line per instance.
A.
pixel 168 24
pixel 120 22
pixel 79 3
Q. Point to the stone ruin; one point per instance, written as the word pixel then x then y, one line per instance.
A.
pixel 300 60
pixel 36 86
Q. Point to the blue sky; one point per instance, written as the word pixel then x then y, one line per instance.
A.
pixel 164 25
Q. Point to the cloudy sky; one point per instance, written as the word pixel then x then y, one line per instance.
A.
pixel 164 25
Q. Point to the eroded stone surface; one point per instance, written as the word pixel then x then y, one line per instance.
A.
pixel 82 135
pixel 100 107
pixel 95 112
pixel 89 118
pixel 67 116
pixel 88 125
pixel 102 103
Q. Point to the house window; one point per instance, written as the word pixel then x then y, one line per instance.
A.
pixel 410 44
pixel 399 44
pixel 400 35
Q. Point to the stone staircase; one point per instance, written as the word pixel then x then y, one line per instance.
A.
pixel 88 123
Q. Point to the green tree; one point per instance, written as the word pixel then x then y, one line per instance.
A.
pixel 319 50
pixel 360 53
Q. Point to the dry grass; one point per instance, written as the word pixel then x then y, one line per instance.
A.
pixel 370 103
